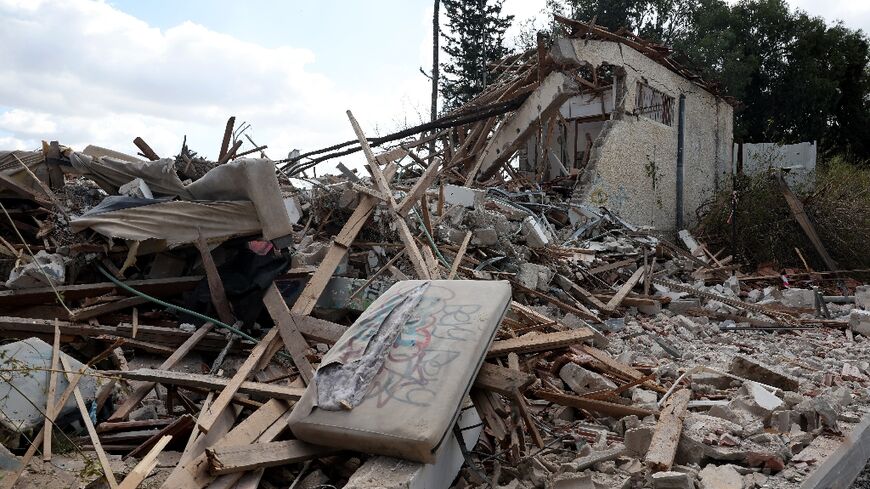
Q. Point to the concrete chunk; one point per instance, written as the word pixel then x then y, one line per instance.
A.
pixel 464 196
pixel 672 480
pixel 582 381
pixel 753 369
pixel 720 477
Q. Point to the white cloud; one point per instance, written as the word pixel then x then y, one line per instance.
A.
pixel 82 72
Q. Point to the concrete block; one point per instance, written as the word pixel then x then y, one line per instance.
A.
pixel 484 237
pixel 681 306
pixel 720 477
pixel 859 322
pixel 716 380
pixel 136 188
pixel 672 480
pixel 798 298
pixel 752 369
pixel 535 233
pixel 536 277
pixel 643 397
pixel 582 381
pixel 464 196
pixel 637 440
pixel 862 296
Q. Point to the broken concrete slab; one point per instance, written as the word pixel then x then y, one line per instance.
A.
pixel 758 371
pixel 859 322
pixel 720 477
pixel 583 381
pixel 535 232
pixel 672 480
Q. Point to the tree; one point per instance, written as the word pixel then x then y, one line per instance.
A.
pixel 474 39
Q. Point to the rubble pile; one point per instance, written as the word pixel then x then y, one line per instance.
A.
pixel 182 323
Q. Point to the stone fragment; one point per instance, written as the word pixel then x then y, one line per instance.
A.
pixel 535 233
pixel 720 477
pixel 464 196
pixel 862 296
pixel 637 440
pixel 672 480
pixel 753 369
pixel 644 398
pixel 598 456
pixel 534 276
pixel 762 399
pixel 484 237
pixel 583 381
pixel 798 298
pixel 859 322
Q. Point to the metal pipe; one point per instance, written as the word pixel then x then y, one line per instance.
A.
pixel 681 130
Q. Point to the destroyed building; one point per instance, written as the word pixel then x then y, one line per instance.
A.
pixel 440 319
pixel 653 140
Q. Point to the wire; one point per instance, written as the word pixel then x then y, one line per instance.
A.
pixel 182 309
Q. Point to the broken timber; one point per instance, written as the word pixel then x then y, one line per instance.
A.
pixel 241 458
pixel 663 447
pixel 539 342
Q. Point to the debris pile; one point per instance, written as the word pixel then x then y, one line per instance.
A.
pixel 184 323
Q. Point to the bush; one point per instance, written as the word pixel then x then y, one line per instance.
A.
pixel 838 205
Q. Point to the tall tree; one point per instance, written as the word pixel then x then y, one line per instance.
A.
pixel 474 39
pixel 436 33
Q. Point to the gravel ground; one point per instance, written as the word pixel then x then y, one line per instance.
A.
pixel 863 480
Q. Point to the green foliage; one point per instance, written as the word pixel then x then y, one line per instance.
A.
pixel 838 205
pixel 474 39
pixel 797 78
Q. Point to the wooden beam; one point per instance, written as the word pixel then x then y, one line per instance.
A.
pixel 145 466
pixel 616 300
pixel 318 330
pixel 515 130
pixel 228 133
pixel 158 287
pixel 663 447
pixel 225 397
pixel 294 343
pixel 539 342
pixel 502 380
pixel 145 149
pixel 52 388
pixel 241 458
pixel 92 432
pixel 457 260
pixel 420 186
pixel 619 369
pixel 181 425
pixel 210 382
pixel 142 390
pixel 315 286
pixel 215 284
pixel 84 313
pixel 383 185
pixel 594 405
pixel 800 215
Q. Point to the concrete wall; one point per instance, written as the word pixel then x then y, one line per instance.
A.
pixel 632 169
pixel 799 158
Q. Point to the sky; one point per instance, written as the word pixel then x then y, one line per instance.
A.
pixel 106 71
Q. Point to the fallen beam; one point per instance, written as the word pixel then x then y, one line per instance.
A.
pixel 158 287
pixel 209 382
pixel 663 447
pixel 241 458
pixel 539 342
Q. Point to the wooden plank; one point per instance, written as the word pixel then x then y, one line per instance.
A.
pixel 84 313
pixel 92 432
pixel 241 458
pixel 539 342
pixel 383 185
pixel 517 127
pixel 145 149
pixel 584 294
pixel 158 287
pixel 483 402
pixel 614 302
pixel 594 405
pixel 502 380
pixel 294 343
pixel 194 473
pixel 225 397
pixel 52 389
pixel 181 425
pixel 800 215
pixel 420 186
pixel 611 266
pixel 587 315
pixel 215 285
pixel 663 447
pixel 318 330
pixel 626 372
pixel 145 466
pixel 315 286
pixel 457 260
pixel 142 390
pixel 209 382
pixel 225 142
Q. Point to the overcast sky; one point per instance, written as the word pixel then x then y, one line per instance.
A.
pixel 103 72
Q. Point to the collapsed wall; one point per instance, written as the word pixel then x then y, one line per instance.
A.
pixel 632 167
